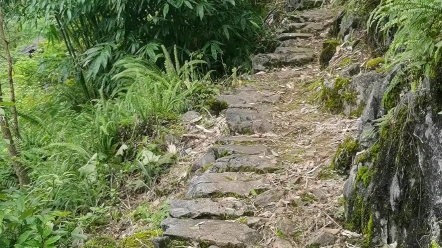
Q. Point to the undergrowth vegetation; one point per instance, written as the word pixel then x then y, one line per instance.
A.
pixel 417 41
pixel 100 85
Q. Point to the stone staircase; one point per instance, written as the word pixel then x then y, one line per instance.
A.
pixel 298 38
pixel 234 182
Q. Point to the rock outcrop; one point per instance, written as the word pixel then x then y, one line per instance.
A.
pixel 393 194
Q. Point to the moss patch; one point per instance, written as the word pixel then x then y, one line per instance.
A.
pixel 101 242
pixel 328 50
pixel 333 99
pixel 141 239
pixel 343 158
pixel 217 106
pixel 345 62
pixel 368 231
pixel 365 175
pixel 375 63
pixel 358 112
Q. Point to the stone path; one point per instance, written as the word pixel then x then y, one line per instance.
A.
pixel 265 185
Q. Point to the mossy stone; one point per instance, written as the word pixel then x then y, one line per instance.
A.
pixel 328 50
pixel 216 106
pixel 333 99
pixel 343 158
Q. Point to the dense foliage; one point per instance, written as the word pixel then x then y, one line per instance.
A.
pixel 106 82
pixel 417 27
pixel 99 33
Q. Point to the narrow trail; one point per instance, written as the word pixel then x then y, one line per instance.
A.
pixel 267 184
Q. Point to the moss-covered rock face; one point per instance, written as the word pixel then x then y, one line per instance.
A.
pixel 390 194
pixel 347 95
pixel 328 50
pixel 344 156
pixel 334 97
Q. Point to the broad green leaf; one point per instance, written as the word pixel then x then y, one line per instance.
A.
pixel 27 213
pixel 226 31
pixel 69 14
pixel 89 170
pixel 7 104
pixel 3 197
pixel 148 157
pixel 188 4
pixel 24 237
pixel 121 150
pixel 165 10
pixel 61 213
pixel 213 50
pixel 11 218
pixel 52 240
pixel 168 158
pixel 200 11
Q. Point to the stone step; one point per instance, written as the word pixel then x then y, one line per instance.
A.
pixel 266 61
pixel 222 208
pixel 225 150
pixel 305 27
pixel 314 16
pixel 247 121
pixel 294 50
pixel 245 163
pixel 241 140
pixel 294 36
pixel 219 151
pixel 211 232
pixel 293 5
pixel 226 184
pixel 249 98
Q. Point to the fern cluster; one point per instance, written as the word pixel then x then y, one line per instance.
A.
pixel 418 40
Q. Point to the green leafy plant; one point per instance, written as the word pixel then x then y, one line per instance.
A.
pixel 22 224
pixel 416 24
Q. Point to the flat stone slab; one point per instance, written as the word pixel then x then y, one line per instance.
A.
pixel 269 197
pixel 263 62
pixel 247 121
pixel 240 139
pixel 206 207
pixel 241 149
pixel 294 50
pixel 249 98
pixel 293 5
pixel 227 149
pixel 211 232
pixel 243 163
pixel 293 36
pixel 223 184
pixel 306 27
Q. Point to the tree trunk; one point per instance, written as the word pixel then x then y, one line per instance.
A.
pixel 14 154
